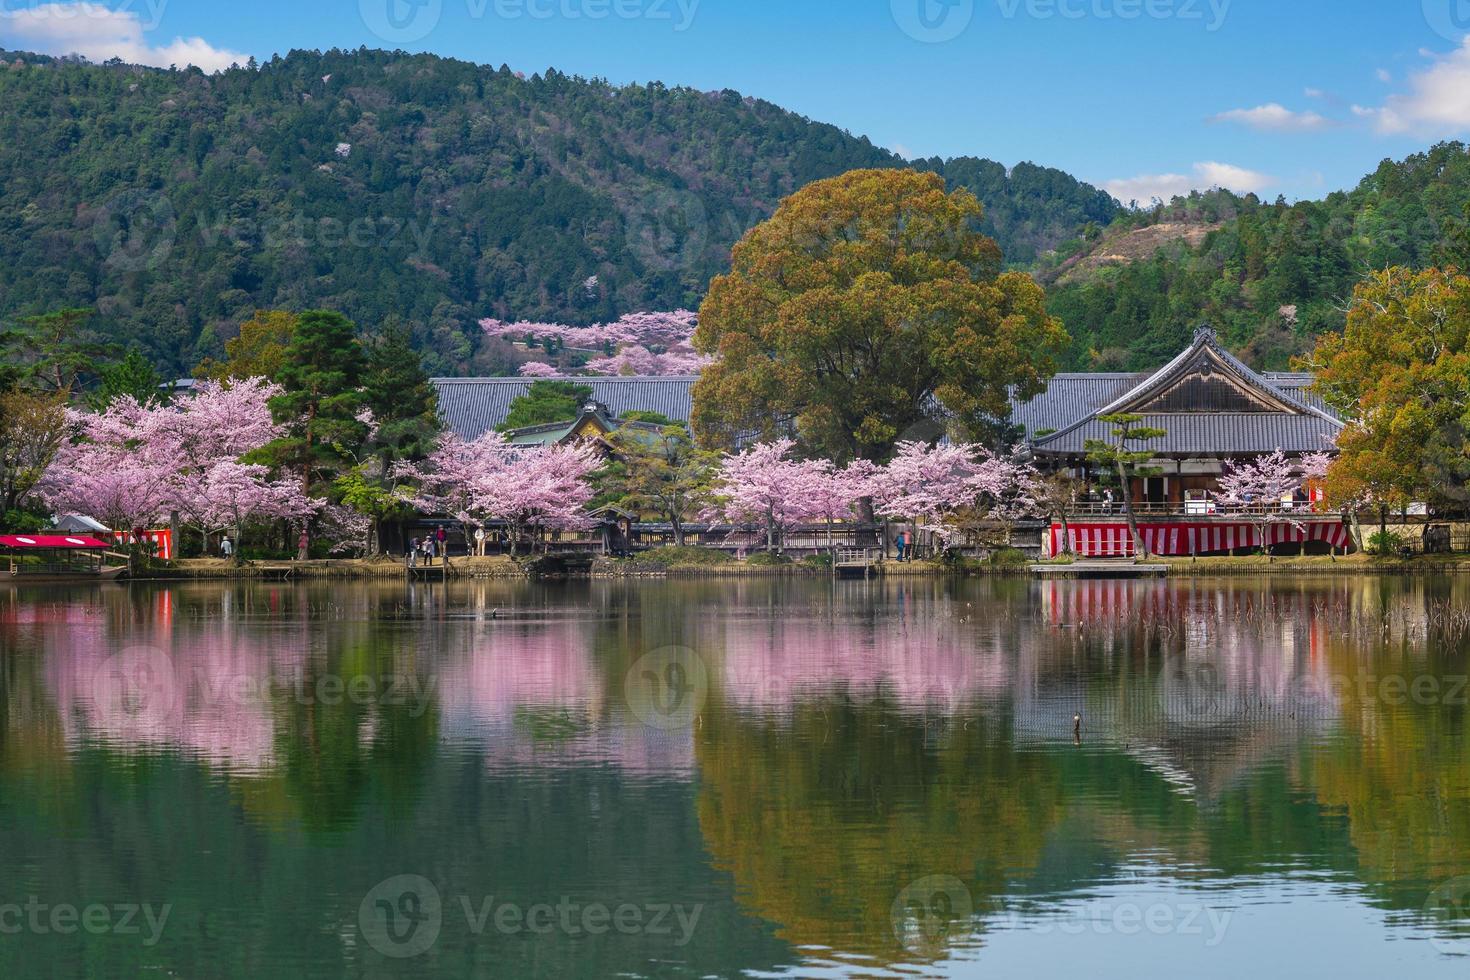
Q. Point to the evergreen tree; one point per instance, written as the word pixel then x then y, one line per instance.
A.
pixel 546 402
pixel 322 399
pixel 402 399
pixel 134 375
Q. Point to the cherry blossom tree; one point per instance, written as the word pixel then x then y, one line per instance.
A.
pixel 344 529
pixel 131 465
pixel 1008 489
pixel 538 369
pixel 230 495
pixel 926 485
pixel 764 486
pixel 1256 488
pixel 833 494
pixel 547 489
pixel 459 479
pixel 488 479
pixel 678 360
pixel 120 491
pixel 637 343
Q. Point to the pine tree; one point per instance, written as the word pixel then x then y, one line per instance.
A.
pixel 322 398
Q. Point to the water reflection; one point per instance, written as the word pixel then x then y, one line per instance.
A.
pixel 877 776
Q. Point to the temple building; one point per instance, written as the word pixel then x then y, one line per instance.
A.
pixel 471 407
pixel 1212 407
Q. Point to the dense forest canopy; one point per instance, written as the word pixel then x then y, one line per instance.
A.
pixel 383 184
pixel 1270 277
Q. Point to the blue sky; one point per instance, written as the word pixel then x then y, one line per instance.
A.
pixel 1298 97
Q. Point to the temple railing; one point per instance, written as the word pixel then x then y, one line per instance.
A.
pixel 1094 509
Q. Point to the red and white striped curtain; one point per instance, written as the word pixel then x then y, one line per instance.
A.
pixel 1112 540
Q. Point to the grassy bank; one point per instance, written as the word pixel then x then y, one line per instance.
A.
pixel 698 563
pixel 335 568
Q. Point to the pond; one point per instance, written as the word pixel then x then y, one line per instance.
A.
pixel 762 777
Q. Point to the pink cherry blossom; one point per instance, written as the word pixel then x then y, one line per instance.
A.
pixel 762 485
pixel 642 343
pixel 1263 481
pixel 925 484
pixel 489 480
pixel 132 465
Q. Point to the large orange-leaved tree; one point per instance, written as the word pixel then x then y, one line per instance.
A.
pixel 867 309
pixel 1399 375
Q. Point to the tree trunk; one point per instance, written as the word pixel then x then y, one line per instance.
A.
pixel 678 526
pixel 1126 488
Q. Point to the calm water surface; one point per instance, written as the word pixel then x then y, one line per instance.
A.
pixel 762 778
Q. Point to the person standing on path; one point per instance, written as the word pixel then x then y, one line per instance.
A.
pixel 303 546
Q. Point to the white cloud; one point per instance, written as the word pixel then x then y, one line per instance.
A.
pixel 1315 93
pixel 1384 75
pixel 1275 116
pixel 1436 104
pixel 1207 175
pixel 98 33
pixel 902 151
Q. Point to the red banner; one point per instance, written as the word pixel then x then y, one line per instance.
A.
pixel 161 543
pixel 1112 540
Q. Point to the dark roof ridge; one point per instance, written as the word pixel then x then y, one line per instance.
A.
pixel 1204 339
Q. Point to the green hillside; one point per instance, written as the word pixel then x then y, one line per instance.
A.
pixel 410 186
pixel 1269 276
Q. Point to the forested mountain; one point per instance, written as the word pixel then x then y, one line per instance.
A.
pixel 414 187
pixel 1268 277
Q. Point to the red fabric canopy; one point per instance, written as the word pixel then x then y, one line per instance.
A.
pixel 1181 539
pixel 50 541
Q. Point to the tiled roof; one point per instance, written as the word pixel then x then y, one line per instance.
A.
pixel 1212 434
pixel 473 406
pixel 470 407
pixel 1069 397
pixel 1256 413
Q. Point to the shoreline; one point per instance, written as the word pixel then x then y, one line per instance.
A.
pixel 210 569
